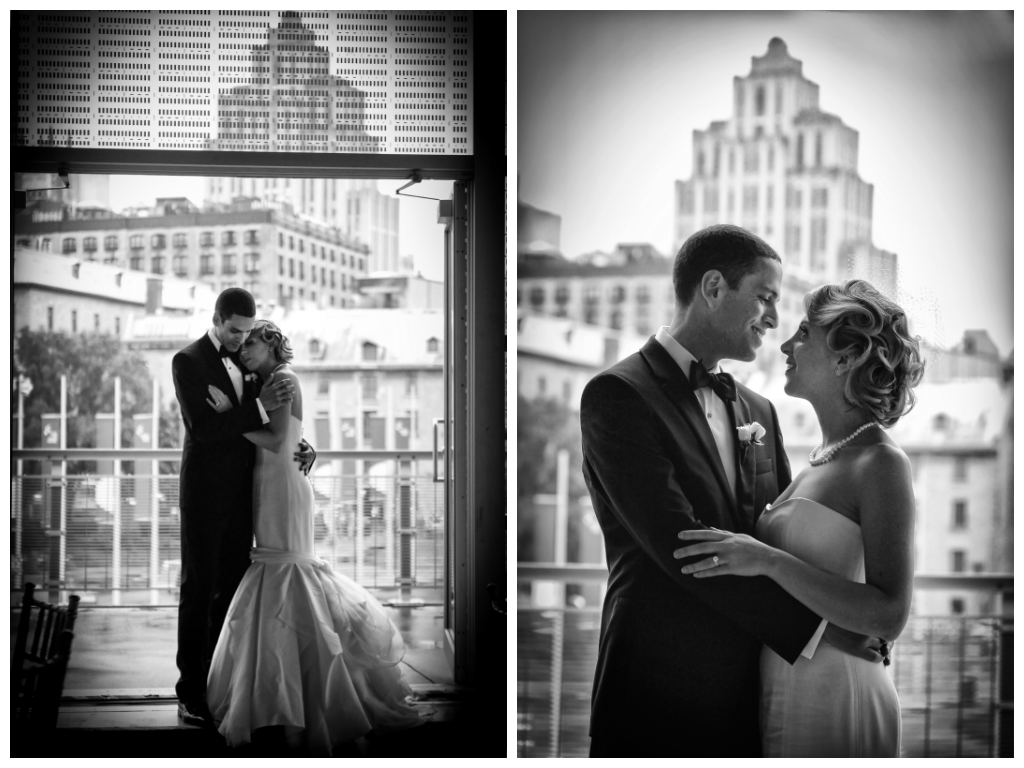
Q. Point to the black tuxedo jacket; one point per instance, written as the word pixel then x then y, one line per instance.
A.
pixel 678 660
pixel 216 463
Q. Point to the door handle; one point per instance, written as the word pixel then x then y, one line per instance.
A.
pixel 437 423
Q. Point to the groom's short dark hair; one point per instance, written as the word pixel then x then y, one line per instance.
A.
pixel 235 301
pixel 731 250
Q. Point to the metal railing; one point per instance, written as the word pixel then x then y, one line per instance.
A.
pixel 954 674
pixel 116 537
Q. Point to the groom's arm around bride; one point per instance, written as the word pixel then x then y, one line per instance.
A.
pixel 678 661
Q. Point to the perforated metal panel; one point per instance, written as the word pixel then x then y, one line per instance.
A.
pixel 391 82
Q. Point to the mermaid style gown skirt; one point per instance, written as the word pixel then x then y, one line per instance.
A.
pixel 303 647
pixel 834 704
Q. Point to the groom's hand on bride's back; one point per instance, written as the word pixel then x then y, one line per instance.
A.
pixel 274 395
pixel 305 456
pixel 871 648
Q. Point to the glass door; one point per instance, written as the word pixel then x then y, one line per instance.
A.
pixel 454 428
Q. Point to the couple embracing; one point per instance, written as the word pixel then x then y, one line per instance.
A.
pixel 747 612
pixel 268 636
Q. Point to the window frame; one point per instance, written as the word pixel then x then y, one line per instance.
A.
pixel 482 561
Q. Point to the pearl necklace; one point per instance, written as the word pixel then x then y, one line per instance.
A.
pixel 827 455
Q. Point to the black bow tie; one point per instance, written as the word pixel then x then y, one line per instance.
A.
pixel 721 383
pixel 225 352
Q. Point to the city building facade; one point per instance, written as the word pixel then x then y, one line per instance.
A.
pixel 353 206
pixel 636 296
pixel 399 292
pixel 278 257
pixel 370 378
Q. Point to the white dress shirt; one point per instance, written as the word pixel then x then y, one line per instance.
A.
pixel 717 414
pixel 236 376
pixel 714 408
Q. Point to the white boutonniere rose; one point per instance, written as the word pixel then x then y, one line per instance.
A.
pixel 751 433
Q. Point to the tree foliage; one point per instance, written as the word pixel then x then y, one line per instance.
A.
pixel 545 427
pixel 90 362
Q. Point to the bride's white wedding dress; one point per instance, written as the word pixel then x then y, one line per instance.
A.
pixel 301 646
pixel 835 704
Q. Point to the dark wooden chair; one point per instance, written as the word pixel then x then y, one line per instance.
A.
pixel 42 649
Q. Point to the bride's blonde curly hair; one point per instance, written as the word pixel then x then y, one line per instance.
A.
pixel 278 342
pixel 873 332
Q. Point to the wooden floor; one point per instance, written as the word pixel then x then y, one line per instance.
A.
pixel 145 723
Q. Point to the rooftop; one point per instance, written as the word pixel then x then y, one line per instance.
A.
pixel 171 213
pixel 72 274
pixel 776 61
pixel 322 336
pixel 570 342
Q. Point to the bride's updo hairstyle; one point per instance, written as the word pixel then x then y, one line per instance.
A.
pixel 872 331
pixel 278 342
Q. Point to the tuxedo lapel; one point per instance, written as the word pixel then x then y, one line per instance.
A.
pixel 746 458
pixel 677 389
pixel 220 374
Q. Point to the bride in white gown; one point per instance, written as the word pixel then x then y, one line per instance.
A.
pixel 840 538
pixel 302 647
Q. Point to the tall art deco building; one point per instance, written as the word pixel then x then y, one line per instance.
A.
pixel 787 171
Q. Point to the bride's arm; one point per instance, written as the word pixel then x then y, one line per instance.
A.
pixel 273 434
pixel 880 607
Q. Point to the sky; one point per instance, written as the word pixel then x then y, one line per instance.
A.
pixel 607 103
pixel 419 234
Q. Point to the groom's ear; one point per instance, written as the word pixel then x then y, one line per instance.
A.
pixel 712 285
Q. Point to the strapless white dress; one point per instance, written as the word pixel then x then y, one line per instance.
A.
pixel 302 646
pixel 833 705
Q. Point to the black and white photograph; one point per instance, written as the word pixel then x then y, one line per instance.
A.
pixel 258 384
pixel 764 384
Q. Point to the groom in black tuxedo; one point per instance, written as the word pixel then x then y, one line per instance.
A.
pixel 678 661
pixel 215 493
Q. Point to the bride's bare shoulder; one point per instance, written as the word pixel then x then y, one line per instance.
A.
pixel 284 372
pixel 883 471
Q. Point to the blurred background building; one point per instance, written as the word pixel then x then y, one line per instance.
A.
pixel 538 234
